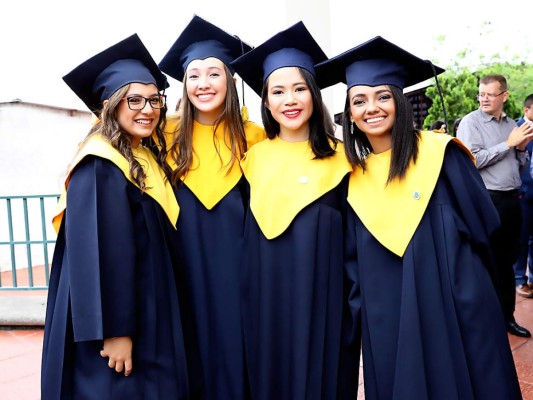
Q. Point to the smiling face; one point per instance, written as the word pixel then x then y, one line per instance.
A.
pixel 206 84
pixel 373 110
pixel 290 103
pixel 141 123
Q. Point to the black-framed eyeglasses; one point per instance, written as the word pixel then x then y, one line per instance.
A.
pixel 139 102
pixel 491 96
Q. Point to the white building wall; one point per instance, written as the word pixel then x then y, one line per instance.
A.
pixel 37 143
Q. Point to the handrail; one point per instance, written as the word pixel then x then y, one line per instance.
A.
pixel 28 235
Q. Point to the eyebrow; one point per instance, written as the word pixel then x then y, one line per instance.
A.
pixel 291 85
pixel 364 95
pixel 140 95
pixel 208 68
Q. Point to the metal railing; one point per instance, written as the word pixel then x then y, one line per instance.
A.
pixel 27 239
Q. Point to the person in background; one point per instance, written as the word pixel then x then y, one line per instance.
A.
pixel 499 148
pixel 113 324
pixel 522 268
pixel 456 126
pixel 417 242
pixel 438 126
pixel 206 139
pixel 293 279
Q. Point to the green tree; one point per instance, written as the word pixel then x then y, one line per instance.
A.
pixel 459 91
pixel 459 84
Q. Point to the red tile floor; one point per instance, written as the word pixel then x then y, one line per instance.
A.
pixel 20 358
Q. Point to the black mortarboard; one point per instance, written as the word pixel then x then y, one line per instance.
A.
pixel 100 76
pixel 293 47
pixel 198 41
pixel 376 62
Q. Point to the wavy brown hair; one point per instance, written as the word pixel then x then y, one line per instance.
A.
pixel 108 126
pixel 181 150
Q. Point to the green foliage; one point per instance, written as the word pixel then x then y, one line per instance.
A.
pixel 459 86
pixel 459 91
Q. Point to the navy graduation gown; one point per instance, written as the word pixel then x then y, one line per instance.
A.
pixel 112 275
pixel 293 298
pixel 210 244
pixel 432 327
pixel 209 233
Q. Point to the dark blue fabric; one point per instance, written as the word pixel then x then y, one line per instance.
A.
pixel 112 275
pixel 376 72
pixel 119 74
pixel 526 235
pixel 292 47
pixel 293 298
pixel 505 244
pixel 432 327
pixel 375 62
pixel 200 40
pixel 522 274
pixel 287 57
pixel 525 173
pixel 100 76
pixel 205 49
pixel 210 242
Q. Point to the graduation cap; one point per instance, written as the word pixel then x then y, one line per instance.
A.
pixel 293 47
pixel 100 76
pixel 200 40
pixel 376 62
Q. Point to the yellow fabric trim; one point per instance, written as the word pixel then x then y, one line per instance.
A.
pixel 208 178
pixel 393 212
pixel 254 133
pixel 158 187
pixel 284 178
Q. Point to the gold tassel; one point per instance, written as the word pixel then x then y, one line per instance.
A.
pixel 244 114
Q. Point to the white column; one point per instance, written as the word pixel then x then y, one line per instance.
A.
pixel 315 14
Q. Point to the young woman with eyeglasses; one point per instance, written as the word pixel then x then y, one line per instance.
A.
pixel 113 324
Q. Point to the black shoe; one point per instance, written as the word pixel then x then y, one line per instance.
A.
pixel 514 329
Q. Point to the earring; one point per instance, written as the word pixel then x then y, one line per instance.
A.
pixel 351 128
pixel 361 150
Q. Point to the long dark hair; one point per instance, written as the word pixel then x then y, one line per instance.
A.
pixel 181 149
pixel 321 127
pixel 109 127
pixel 405 137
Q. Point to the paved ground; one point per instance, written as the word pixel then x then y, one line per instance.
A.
pixel 523 348
pixel 20 364
pixel 20 349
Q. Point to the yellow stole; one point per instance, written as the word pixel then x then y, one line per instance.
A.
pixel 393 212
pixel 284 178
pixel 158 187
pixel 207 178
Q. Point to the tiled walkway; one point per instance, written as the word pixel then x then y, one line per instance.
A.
pixel 20 358
pixel 20 364
pixel 523 348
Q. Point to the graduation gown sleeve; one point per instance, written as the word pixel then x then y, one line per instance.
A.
pixel 100 252
pixel 351 325
pixel 472 201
